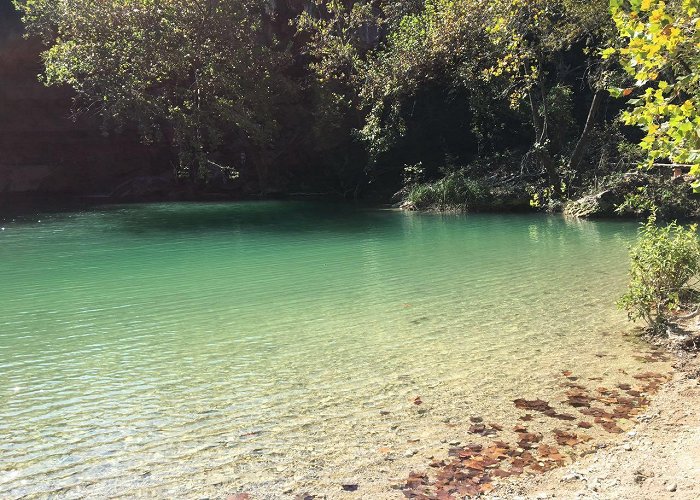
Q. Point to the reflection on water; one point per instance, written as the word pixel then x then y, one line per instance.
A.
pixel 204 349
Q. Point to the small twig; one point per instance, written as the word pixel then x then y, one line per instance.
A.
pixel 695 313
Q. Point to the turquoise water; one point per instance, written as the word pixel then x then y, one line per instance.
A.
pixel 198 350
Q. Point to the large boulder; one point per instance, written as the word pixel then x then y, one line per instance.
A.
pixel 596 205
pixel 605 202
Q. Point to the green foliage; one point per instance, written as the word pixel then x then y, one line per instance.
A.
pixel 453 192
pixel 499 53
pixel 660 50
pixel 444 40
pixel 664 262
pixel 528 33
pixel 351 88
pixel 668 198
pixel 413 174
pixel 546 197
pixel 197 73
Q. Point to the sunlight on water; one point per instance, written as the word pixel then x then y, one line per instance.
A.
pixel 204 349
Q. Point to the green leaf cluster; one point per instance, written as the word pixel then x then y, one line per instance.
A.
pixel 660 51
pixel 664 262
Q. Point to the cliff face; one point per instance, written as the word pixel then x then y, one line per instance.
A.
pixel 42 150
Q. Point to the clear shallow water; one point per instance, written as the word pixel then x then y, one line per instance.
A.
pixel 204 349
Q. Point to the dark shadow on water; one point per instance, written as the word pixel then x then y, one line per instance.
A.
pixel 281 217
pixel 202 217
pixel 278 217
pixel 27 208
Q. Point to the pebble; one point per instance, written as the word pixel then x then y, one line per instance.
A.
pixel 410 453
pixel 594 485
pixel 573 476
pixel 455 443
pixel 671 487
pixel 627 447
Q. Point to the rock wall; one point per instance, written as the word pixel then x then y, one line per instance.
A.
pixel 42 150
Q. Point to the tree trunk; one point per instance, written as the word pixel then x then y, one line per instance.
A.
pixel 580 148
pixel 535 116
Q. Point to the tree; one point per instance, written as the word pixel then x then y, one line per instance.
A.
pixel 530 35
pixel 660 50
pixel 499 52
pixel 200 74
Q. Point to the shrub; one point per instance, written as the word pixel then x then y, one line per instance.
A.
pixel 664 262
pixel 455 191
pixel 671 198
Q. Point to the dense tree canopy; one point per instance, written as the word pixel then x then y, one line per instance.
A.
pixel 510 91
pixel 200 72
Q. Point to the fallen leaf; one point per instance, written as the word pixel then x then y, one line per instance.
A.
pixel 550 453
pixel 610 427
pixel 596 412
pixel 530 437
pixel 500 473
pixel 475 464
pixel 497 452
pixel 559 416
pixel 535 404
pixel 578 398
pixel 565 438
pixel 485 488
pixel 415 479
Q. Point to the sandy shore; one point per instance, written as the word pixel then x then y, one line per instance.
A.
pixel 659 458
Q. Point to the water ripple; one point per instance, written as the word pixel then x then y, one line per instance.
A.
pixel 198 350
